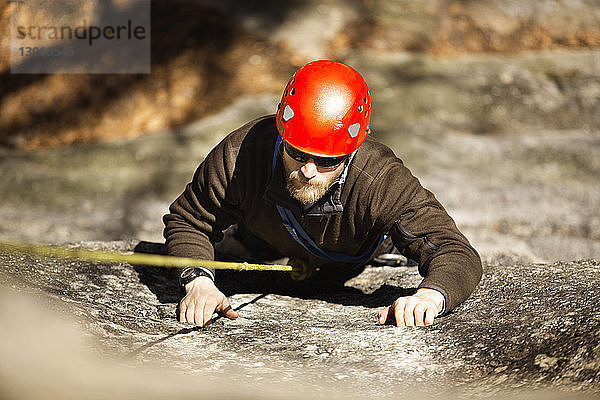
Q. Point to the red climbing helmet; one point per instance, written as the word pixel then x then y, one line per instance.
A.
pixel 325 109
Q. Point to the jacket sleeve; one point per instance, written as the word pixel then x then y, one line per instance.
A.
pixel 208 205
pixel 423 231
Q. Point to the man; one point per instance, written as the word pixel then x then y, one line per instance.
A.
pixel 309 184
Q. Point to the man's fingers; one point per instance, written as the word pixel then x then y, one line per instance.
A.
pixel 382 316
pixel 409 313
pixel 399 306
pixel 416 310
pixel 189 313
pixel 420 314
pixel 199 314
pixel 209 310
pixel 430 315
pixel 227 311
pixel 201 302
pixel 182 311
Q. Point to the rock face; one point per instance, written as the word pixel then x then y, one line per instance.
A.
pixel 495 106
pixel 484 94
pixel 456 26
pixel 527 327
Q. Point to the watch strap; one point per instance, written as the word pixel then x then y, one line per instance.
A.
pixel 190 273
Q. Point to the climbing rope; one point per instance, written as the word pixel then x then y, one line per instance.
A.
pixel 155 260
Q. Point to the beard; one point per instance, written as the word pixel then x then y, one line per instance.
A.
pixel 308 191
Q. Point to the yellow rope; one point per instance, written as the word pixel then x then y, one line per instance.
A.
pixel 155 260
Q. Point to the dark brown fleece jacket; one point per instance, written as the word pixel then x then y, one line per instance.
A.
pixel 376 195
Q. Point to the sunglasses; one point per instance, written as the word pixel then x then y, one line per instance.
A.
pixel 322 162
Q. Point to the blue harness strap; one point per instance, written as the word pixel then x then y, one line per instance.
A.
pixel 298 233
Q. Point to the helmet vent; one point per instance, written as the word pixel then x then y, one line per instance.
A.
pixel 353 130
pixel 288 113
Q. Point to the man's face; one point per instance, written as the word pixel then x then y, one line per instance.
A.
pixel 306 181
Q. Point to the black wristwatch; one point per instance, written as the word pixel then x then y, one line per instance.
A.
pixel 190 273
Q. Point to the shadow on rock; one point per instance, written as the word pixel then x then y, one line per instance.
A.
pixel 163 283
pixel 330 290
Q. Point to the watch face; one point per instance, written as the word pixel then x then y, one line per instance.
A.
pixel 189 274
pixel 186 273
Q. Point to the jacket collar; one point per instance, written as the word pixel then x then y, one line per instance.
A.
pixel 331 203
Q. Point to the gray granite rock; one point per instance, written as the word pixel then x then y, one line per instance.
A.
pixel 527 327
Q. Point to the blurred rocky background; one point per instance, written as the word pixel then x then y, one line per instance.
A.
pixel 494 105
pixel 505 65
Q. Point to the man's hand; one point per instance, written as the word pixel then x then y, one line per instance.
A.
pixel 201 301
pixel 420 309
